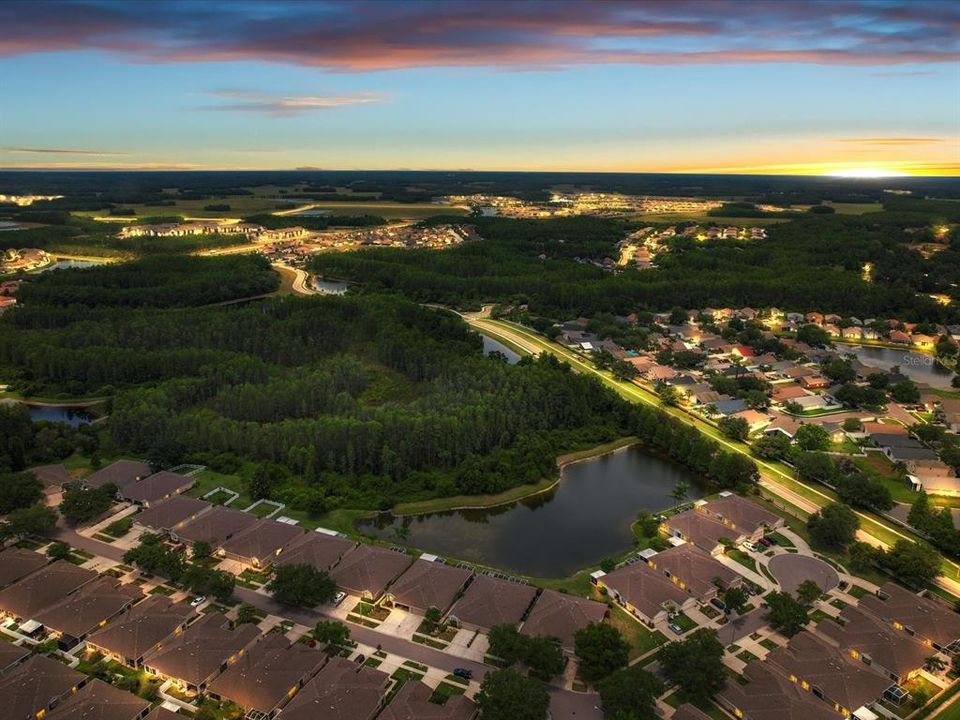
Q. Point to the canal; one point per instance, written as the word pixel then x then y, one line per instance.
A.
pixel 584 519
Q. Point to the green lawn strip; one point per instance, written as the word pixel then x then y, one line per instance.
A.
pixel 747 656
pixel 769 644
pixel 743 558
pixel 444 691
pixel 119 528
pixel 781 540
pixel 429 642
pixel 641 639
pixel 684 622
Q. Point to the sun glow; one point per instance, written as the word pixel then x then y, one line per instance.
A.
pixel 866 173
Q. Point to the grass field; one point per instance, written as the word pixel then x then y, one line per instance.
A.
pixel 389 210
pixel 705 219
pixel 855 208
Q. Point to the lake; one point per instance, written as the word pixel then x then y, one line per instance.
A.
pixel 71 265
pixel 918 367
pixel 70 415
pixel 490 345
pixel 584 519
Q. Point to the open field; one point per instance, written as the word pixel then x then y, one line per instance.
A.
pixel 389 210
pixel 855 208
pixel 705 219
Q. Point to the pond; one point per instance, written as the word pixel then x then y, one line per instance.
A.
pixel 72 416
pixel 918 367
pixel 71 265
pixel 490 345
pixel 584 519
pixel 330 287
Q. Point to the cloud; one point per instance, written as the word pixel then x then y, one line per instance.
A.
pixel 369 35
pixel 287 105
pixel 60 151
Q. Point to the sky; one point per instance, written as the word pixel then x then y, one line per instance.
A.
pixel 745 86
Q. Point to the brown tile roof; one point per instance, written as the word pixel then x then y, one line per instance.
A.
pixel 11 655
pixel 99 701
pixel 121 473
pixel 840 678
pixel 216 526
pixel 51 476
pixel 644 588
pixel 695 569
pixel 771 696
pixel 427 584
pixel 17 563
pixel 490 601
pixel 36 685
pixel 262 678
pixel 81 613
pixel 929 618
pixel 413 703
pixel 340 691
pixel 157 486
pixel 318 550
pixel 27 597
pixel 558 615
pixel 142 627
pixel 866 635
pixel 170 514
pixel 196 654
pixel 740 513
pixel 369 569
pixel 161 713
pixel 262 541
pixel 696 527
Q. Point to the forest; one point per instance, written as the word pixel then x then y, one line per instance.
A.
pixel 359 402
pixel 814 263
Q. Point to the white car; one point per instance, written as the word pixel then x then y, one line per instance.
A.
pixel 339 597
pixel 750 546
pixel 198 601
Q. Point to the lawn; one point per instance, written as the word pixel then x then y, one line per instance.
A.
pixel 119 528
pixel 743 558
pixel 747 656
pixel 857 591
pixel 641 639
pixel 445 691
pixel 684 622
pixel 854 208
pixel 781 540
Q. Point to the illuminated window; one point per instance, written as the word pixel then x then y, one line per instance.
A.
pixel 805 685
pixel 854 654
pixel 793 678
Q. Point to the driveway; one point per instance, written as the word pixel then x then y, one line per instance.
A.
pixel 791 569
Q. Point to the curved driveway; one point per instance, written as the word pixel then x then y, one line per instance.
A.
pixel 791 569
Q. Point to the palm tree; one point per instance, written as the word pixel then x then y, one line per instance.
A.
pixel 680 491
pixel 934 664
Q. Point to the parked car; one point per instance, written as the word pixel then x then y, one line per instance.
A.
pixel 718 604
pixel 771 539
pixel 339 597
pixel 676 628
pixel 198 601
pixel 765 542
pixel 360 658
pixel 750 546
pixel 463 673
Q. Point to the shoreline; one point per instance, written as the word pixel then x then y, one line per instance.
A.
pixel 508 497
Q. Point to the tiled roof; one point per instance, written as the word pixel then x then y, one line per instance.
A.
pixel 490 601
pixel 558 615
pixel 427 584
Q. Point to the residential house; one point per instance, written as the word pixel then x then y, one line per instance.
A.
pixel 36 687
pixel 216 526
pixel 924 617
pixel 559 615
pixel 88 609
pixel 16 563
pixel 316 549
pixel 828 673
pixel 262 680
pixel 27 597
pixel 413 703
pixel 786 392
pixel 754 418
pixel 121 473
pixel 368 570
pixel 740 514
pixel 143 629
pixel 878 644
pixel 783 424
pixel 644 592
pixel 769 695
pixel 170 515
pixel 98 700
pixel 11 656
pixel 340 691
pixel 707 533
pixel 695 571
pixel 427 583
pixel 201 652
pixel 490 601
pixel 52 477
pixel 156 488
pixel 261 543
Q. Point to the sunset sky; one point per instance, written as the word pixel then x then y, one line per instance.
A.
pixel 856 86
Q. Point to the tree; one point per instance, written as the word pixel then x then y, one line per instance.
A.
pixel 736 428
pixel 912 563
pixel 816 467
pixel 863 556
pixel 775 446
pixel 33 520
pixel 301 585
pixel 813 335
pixel 331 633
pixel 668 394
pixel 202 580
pixel 79 506
pixel 860 490
pixel 735 598
pixel 58 550
pixel 834 526
pixel 247 614
pixel 20 490
pixel 506 643
pixel 601 651
pixel 508 695
pixel 155 558
pixel 934 664
pixel 608 564
pixel 648 524
pixel 680 491
pixel 851 425
pixel 785 614
pixel 630 693
pixel 808 592
pixel 812 437
pixel 544 655
pixel 695 664
pixel 201 550
pixel 906 391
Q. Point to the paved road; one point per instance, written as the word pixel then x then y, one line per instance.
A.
pixel 791 569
